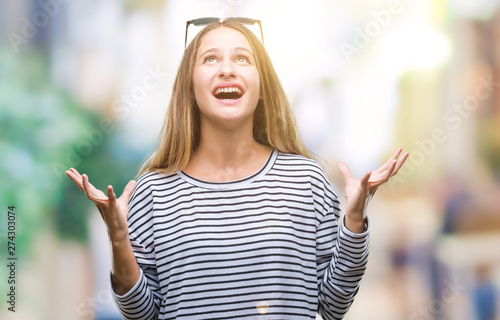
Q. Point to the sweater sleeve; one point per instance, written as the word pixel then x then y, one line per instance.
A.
pixel 143 300
pixel 342 256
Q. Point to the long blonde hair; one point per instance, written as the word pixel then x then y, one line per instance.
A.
pixel 273 123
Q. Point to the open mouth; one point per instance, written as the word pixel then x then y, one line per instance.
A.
pixel 228 93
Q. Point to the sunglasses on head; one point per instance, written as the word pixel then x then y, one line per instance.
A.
pixel 209 20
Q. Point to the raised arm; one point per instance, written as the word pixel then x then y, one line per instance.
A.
pixel 341 266
pixel 114 212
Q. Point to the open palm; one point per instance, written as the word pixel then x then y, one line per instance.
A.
pixel 358 192
pixel 113 211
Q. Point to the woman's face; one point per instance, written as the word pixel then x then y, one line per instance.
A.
pixel 225 78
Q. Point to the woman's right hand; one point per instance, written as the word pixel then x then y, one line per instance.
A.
pixel 113 211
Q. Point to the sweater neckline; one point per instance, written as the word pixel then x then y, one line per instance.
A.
pixel 235 183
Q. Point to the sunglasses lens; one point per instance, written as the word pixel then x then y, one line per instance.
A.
pixel 203 21
pixel 246 20
pixel 209 20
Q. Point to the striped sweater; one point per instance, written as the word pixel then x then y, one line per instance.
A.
pixel 270 246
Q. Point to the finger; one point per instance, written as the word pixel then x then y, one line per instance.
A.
pixel 86 185
pixel 128 190
pixel 76 179
pixel 388 163
pixel 397 153
pixel 111 196
pixel 89 189
pixel 365 179
pixel 346 172
pixel 76 172
pixel 384 175
pixel 390 170
pixel 400 163
pixel 368 187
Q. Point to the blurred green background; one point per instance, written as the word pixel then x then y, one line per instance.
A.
pixel 85 84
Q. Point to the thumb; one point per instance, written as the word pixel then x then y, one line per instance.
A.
pixel 128 190
pixel 344 169
pixel 364 180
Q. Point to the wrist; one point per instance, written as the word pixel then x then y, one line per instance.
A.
pixel 355 223
pixel 118 240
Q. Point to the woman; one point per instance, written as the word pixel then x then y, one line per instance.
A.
pixel 230 218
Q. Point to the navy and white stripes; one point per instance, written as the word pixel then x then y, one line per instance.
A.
pixel 265 247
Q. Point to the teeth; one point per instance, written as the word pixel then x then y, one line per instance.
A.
pixel 227 90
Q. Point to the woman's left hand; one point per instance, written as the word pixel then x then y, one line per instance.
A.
pixel 358 192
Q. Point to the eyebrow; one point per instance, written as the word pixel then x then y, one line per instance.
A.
pixel 235 50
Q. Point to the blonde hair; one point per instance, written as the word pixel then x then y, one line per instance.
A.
pixel 273 124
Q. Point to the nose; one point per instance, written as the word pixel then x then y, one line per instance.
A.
pixel 227 69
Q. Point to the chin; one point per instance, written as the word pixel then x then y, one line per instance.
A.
pixel 231 120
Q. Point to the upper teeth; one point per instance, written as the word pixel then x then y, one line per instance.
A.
pixel 227 89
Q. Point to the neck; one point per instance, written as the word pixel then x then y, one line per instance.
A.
pixel 222 145
pixel 226 154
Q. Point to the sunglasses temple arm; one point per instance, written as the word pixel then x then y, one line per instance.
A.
pixel 186 36
pixel 261 33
